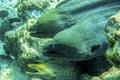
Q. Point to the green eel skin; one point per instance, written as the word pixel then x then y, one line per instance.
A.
pixel 86 38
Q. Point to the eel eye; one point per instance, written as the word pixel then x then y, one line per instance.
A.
pixel 94 48
pixel 52 46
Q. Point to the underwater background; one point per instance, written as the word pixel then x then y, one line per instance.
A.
pixel 59 40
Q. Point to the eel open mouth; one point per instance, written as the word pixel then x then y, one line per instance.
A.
pixel 32 71
pixel 40 34
pixel 54 50
pixel 52 53
pixel 59 51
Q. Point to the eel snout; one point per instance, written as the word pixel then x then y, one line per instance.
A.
pixel 59 51
pixel 63 51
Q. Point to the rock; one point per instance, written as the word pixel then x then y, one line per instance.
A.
pixel 7 26
pixel 27 50
pixel 3 13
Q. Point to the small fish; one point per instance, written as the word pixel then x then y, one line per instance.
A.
pixel 42 69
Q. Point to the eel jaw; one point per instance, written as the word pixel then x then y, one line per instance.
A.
pixel 32 71
pixel 52 51
pixel 41 34
pixel 61 51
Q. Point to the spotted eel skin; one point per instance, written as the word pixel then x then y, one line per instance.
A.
pixel 86 38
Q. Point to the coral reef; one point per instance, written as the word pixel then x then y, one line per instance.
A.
pixel 112 33
pixel 27 50
pixel 8 13
pixel 112 74
pixel 25 44
pixel 26 7
pixel 8 25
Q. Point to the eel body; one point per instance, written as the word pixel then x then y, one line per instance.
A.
pixel 86 38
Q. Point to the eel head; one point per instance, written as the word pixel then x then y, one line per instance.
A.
pixel 77 44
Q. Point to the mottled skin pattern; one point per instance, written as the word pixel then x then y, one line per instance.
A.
pixel 86 39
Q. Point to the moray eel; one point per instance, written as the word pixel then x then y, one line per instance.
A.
pixel 50 23
pixel 86 39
